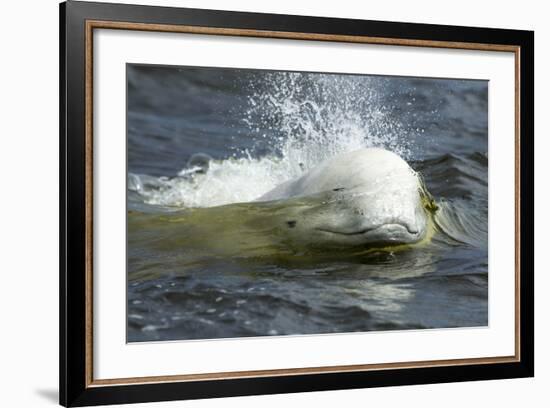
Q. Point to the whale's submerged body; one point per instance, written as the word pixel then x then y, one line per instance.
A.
pixel 368 197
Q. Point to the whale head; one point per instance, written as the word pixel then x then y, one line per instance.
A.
pixel 375 220
pixel 369 197
pixel 393 212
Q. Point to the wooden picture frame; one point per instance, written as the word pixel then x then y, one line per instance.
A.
pixel 78 20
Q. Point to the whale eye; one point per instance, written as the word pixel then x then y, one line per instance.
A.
pixel 338 189
pixel 291 224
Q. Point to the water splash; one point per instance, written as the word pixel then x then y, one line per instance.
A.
pixel 298 120
pixel 311 117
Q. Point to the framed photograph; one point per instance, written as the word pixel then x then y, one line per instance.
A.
pixel 256 203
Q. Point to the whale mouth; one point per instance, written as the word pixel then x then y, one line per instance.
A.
pixel 385 233
pixel 378 227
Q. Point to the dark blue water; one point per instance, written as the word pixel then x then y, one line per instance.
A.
pixel 260 129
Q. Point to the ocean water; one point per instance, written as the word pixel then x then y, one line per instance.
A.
pixel 205 260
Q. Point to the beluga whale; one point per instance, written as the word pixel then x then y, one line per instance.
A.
pixel 368 197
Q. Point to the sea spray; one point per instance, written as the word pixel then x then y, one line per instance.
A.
pixel 297 120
